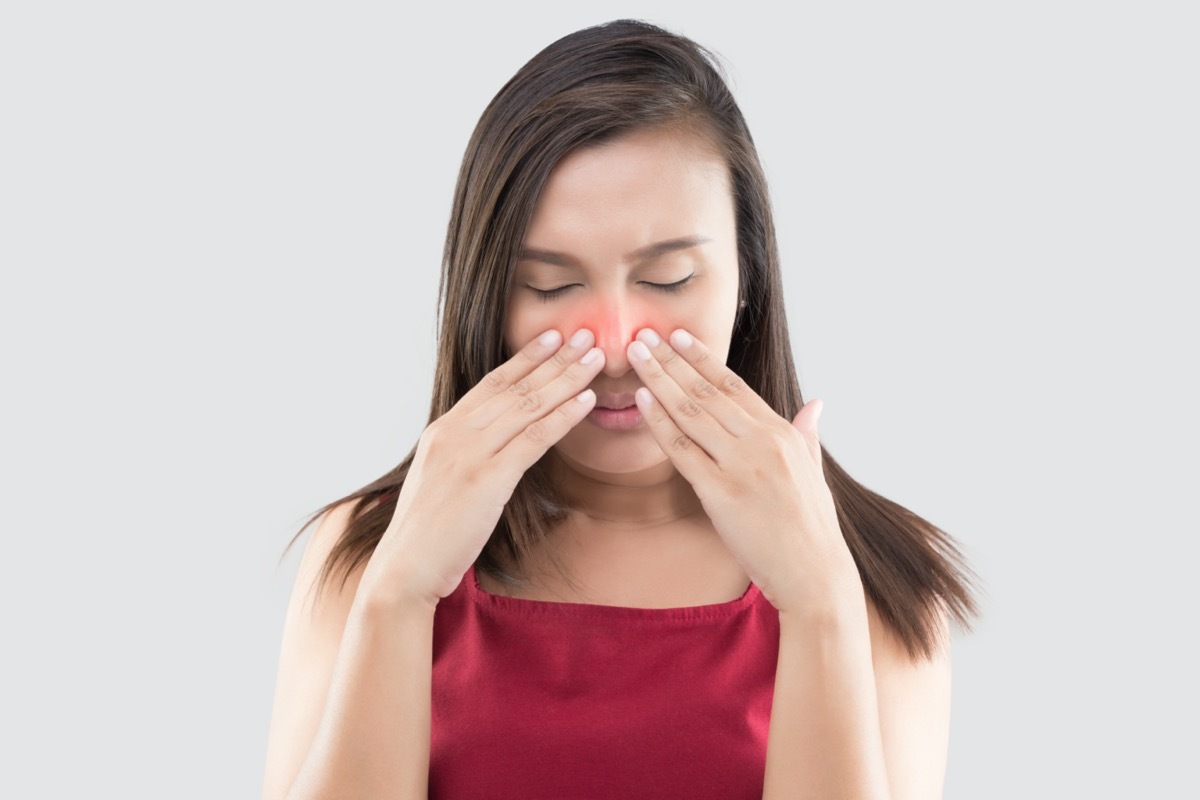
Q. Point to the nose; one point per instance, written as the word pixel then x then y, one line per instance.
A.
pixel 615 324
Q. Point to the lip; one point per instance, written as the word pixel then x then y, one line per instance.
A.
pixel 615 419
pixel 614 401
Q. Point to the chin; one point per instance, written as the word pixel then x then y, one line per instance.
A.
pixel 591 448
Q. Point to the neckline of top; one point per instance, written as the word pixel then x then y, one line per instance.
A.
pixel 498 602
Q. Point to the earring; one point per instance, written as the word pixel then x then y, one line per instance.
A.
pixel 743 304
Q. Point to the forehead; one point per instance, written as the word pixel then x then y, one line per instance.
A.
pixel 647 185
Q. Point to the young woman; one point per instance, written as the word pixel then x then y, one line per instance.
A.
pixel 618 562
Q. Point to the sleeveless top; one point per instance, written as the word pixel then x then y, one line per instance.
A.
pixel 536 699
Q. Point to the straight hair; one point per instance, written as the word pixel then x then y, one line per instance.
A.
pixel 587 88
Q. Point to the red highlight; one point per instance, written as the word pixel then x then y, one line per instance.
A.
pixel 611 331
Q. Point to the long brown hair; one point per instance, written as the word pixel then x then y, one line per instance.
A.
pixel 590 86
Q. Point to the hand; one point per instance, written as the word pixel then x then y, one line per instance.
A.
pixel 469 461
pixel 759 477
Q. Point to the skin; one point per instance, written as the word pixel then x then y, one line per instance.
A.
pixel 637 535
pixel 714 475
pixel 654 524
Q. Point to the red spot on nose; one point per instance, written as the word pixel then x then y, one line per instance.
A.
pixel 608 328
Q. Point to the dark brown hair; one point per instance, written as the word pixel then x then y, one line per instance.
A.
pixel 588 87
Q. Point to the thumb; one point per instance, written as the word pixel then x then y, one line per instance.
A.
pixel 806 422
pixel 806 419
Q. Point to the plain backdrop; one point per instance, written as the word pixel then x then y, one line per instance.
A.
pixel 221 227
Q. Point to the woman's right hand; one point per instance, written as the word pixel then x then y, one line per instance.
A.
pixel 469 461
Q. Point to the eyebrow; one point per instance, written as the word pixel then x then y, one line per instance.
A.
pixel 641 254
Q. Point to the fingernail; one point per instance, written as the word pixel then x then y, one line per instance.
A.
pixel 681 339
pixel 649 337
pixel 639 351
pixel 591 355
pixel 549 339
pixel 580 338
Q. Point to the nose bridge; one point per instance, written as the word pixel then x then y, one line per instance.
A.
pixel 611 322
pixel 615 328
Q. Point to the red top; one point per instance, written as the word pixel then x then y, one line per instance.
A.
pixel 536 699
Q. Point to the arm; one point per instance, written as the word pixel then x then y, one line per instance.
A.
pixel 854 716
pixel 351 716
pixel 352 706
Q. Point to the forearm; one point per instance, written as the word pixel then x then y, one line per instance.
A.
pixel 824 740
pixel 373 740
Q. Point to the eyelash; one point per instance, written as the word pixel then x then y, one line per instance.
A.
pixel 546 295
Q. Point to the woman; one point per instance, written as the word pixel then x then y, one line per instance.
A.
pixel 618 562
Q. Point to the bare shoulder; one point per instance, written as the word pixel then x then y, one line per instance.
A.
pixel 888 648
pixel 914 708
pixel 312 636
pixel 326 534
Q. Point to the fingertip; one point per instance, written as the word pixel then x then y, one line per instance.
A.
pixel 582 337
pixel 681 339
pixel 592 356
pixel 649 337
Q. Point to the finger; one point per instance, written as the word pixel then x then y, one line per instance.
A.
pixel 686 413
pixel 695 384
pixel 728 382
pixel 693 463
pixel 523 450
pixel 563 357
pixel 805 421
pixel 528 405
pixel 523 363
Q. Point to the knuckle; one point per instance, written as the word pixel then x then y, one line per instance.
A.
pixel 733 384
pixel 776 458
pixel 681 442
pixel 439 443
pixel 578 371
pixel 667 356
pixel 530 402
pixel 702 388
pixel 523 386
pixel 536 432
pixel 559 360
pixel 495 380
pixel 433 435
pixel 688 408
pixel 702 357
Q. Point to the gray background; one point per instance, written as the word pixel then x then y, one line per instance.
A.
pixel 221 231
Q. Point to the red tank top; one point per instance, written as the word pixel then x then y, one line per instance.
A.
pixel 534 699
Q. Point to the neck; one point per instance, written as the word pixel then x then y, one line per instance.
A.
pixel 647 498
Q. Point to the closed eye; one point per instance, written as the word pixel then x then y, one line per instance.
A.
pixel 546 295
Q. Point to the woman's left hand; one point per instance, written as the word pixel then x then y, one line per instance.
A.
pixel 758 476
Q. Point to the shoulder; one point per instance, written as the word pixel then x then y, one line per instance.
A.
pixel 895 665
pixel 317 614
pixel 914 707
pixel 887 646
pixel 312 634
pixel 328 532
